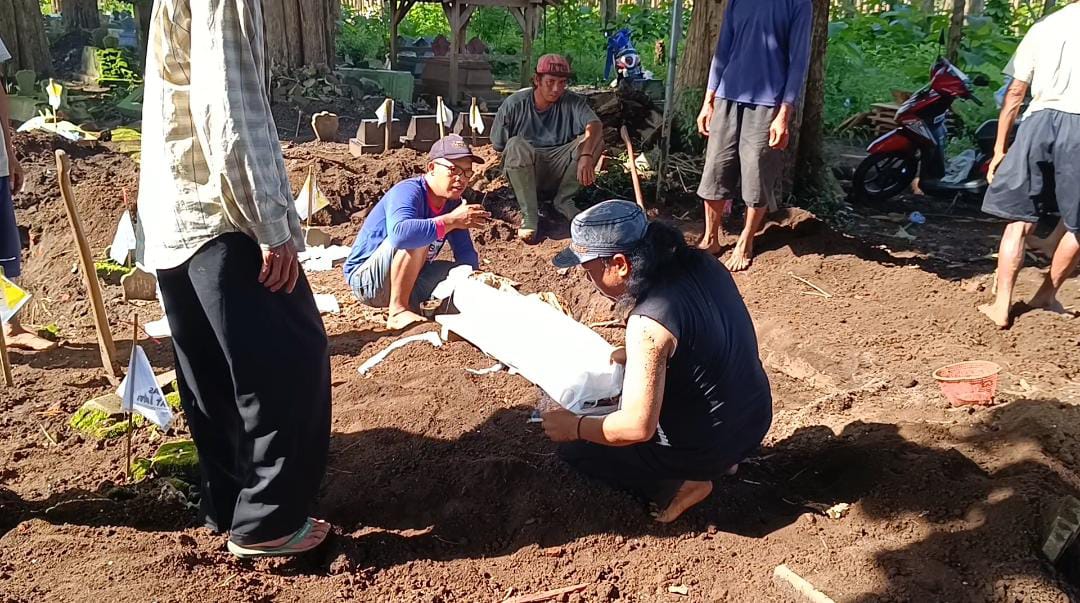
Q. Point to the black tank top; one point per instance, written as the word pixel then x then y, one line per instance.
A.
pixel 716 394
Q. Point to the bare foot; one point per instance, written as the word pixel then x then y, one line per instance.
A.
pixel 709 245
pixel 741 256
pixel 689 494
pixel 317 534
pixel 1049 303
pixel 18 338
pixel 402 319
pixel 999 316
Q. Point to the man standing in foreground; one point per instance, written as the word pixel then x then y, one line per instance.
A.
pixel 551 139
pixel 755 81
pixel 11 179
pixel 217 223
pixel 392 263
pixel 1047 145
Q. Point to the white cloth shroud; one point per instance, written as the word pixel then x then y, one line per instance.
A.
pixel 566 359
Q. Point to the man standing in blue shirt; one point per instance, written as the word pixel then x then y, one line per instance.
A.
pixel 755 80
pixel 392 264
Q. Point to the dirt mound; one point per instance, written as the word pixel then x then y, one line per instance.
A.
pixel 99 178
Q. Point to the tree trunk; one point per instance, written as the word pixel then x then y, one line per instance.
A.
pixel 929 7
pixel 956 30
pixel 810 177
pixel 609 10
pixel 301 33
pixel 1048 7
pixel 23 30
pixel 705 21
pixel 976 7
pixel 143 10
pixel 80 14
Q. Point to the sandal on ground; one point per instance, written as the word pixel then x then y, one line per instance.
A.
pixel 291 547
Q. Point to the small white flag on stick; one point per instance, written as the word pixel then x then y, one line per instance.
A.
pixel 141 393
pixel 56 92
pixel 310 195
pixel 476 121
pixel 385 112
pixel 123 241
pixel 445 115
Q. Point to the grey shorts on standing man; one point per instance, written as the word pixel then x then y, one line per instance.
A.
pixel 1042 159
pixel 738 155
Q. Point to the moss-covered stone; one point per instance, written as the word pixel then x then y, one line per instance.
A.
pixel 177 459
pixel 101 425
pixel 111 272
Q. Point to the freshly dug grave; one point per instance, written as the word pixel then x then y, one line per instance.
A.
pixel 440 491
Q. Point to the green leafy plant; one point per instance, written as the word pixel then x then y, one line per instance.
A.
pixel 117 66
pixel 361 38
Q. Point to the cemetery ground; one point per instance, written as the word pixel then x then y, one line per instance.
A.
pixel 439 490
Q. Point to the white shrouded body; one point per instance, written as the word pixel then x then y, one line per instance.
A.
pixel 569 361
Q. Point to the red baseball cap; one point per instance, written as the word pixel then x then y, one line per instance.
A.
pixel 554 64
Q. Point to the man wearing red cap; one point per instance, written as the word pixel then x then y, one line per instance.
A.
pixel 547 135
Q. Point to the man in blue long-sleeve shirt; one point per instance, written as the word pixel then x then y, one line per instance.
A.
pixel 392 264
pixel 756 78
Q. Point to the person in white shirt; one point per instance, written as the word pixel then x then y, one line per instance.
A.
pixel 218 225
pixel 11 180
pixel 1043 158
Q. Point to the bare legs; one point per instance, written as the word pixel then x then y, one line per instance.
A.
pixel 404 270
pixel 714 225
pixel 743 253
pixel 1061 267
pixel 1046 247
pixel 1011 259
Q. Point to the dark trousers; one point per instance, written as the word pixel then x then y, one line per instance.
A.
pixel 649 471
pixel 254 374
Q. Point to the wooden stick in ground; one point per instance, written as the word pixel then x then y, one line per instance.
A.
pixel 389 123
pixel 438 116
pixel 310 185
pixel 784 577
pixel 633 167
pixel 130 385
pixel 86 260
pixel 5 360
pixel 472 110
pixel 547 595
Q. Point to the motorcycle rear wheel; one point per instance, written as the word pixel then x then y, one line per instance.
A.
pixel 883 176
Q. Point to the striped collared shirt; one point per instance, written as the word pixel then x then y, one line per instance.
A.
pixel 211 160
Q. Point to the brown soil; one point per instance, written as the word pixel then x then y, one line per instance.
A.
pixel 440 491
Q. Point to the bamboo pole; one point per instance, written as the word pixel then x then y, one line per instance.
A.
pixel 128 393
pixel 389 123
pixel 438 116
pixel 106 346
pixel 639 197
pixel 5 360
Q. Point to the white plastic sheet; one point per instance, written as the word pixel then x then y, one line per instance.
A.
pixel 566 359
pixel 123 242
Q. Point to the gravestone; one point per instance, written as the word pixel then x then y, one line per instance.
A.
pixel 139 284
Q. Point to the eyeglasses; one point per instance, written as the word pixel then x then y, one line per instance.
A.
pixel 588 273
pixel 455 171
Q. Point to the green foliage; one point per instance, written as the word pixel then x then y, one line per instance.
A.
pixel 872 54
pixel 117 65
pixel 116 7
pixel 177 459
pixel 426 19
pixel 362 38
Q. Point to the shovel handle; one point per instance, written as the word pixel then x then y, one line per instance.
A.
pixel 640 198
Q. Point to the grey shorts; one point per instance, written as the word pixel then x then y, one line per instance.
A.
pixel 738 153
pixel 1042 160
pixel 370 282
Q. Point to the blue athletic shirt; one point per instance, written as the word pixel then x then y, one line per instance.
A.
pixel 404 216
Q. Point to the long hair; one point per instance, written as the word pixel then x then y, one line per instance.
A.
pixel 660 255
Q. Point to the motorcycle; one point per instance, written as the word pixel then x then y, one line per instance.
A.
pixel 917 146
